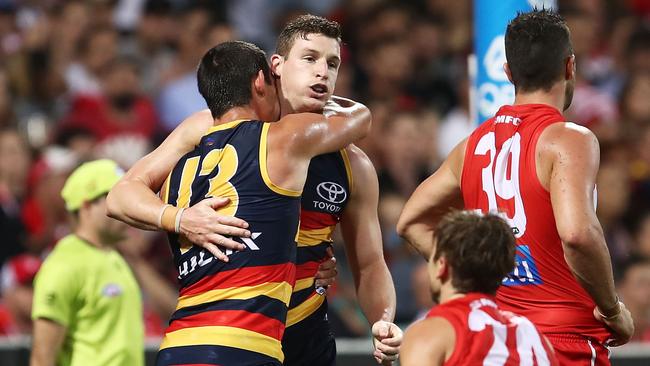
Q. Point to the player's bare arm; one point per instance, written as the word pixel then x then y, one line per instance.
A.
pixel 296 138
pixel 134 201
pixel 428 342
pixel 47 341
pixel 363 246
pixel 571 178
pixel 431 200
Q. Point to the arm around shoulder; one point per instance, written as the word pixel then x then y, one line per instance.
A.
pixel 311 134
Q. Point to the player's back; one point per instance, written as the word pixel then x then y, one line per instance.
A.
pixel 499 174
pixel 232 313
pixel 485 335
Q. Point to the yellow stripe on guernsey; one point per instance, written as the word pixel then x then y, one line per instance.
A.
pixel 224 336
pixel 264 168
pixel 311 237
pixel 303 284
pixel 276 290
pixel 187 177
pixel 348 168
pixel 225 126
pixel 305 309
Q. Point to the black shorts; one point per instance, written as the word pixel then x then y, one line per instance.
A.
pixel 310 342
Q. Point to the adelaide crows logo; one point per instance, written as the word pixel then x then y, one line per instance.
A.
pixel 332 192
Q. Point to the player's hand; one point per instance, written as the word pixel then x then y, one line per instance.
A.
pixel 621 325
pixel 204 227
pixel 327 272
pixel 387 339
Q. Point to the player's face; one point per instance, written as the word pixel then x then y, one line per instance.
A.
pixel 308 73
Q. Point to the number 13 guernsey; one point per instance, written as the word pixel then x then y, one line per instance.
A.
pixel 499 174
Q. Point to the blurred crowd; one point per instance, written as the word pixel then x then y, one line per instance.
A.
pixel 110 78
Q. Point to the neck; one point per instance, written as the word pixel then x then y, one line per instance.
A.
pixel 91 236
pixel 237 113
pixel 554 97
pixel 448 293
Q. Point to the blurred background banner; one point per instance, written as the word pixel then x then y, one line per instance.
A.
pixel 491 86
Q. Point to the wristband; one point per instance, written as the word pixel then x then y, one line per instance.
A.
pixel 160 215
pixel 177 223
pixel 168 218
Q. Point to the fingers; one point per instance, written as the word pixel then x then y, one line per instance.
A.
pixel 216 252
pixel 395 341
pixel 330 252
pixel 380 329
pixel 389 352
pixel 215 202
pixel 327 272
pixel 325 282
pixel 225 242
pixel 231 231
pixel 328 264
pixel 232 221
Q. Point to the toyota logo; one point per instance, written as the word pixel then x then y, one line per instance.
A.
pixel 331 192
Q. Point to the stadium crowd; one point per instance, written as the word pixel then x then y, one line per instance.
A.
pixel 110 78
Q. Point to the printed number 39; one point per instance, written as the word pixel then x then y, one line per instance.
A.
pixel 495 180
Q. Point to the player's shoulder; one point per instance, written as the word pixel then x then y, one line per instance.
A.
pixel 196 125
pixel 363 171
pixel 567 130
pixel 434 334
pixel 567 136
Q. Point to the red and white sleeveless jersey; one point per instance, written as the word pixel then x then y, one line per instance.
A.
pixel 499 174
pixel 488 336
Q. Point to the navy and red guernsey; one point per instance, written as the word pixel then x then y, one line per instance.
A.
pixel 232 313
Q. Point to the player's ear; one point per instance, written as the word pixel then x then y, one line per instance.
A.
pixel 259 84
pixel 570 71
pixel 506 69
pixel 443 269
pixel 276 64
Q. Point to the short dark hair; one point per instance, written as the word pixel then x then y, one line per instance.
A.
pixel 479 248
pixel 301 27
pixel 225 74
pixel 537 46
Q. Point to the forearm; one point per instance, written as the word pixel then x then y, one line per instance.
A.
pixel 46 342
pixel 136 204
pixel 376 292
pixel 590 263
pixel 41 356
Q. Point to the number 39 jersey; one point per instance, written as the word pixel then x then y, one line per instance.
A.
pixel 486 335
pixel 499 174
pixel 232 313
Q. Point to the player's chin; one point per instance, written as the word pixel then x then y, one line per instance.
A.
pixel 313 104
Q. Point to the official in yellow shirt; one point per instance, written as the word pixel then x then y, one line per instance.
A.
pixel 87 306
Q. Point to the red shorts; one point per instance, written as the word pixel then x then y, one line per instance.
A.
pixel 574 350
